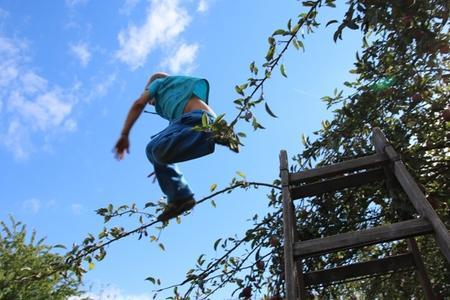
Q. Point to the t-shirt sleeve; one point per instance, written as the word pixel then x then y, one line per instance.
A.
pixel 153 87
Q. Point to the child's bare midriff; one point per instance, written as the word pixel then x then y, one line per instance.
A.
pixel 196 103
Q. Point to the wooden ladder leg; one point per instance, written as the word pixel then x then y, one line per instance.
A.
pixel 290 270
pixel 415 195
pixel 412 244
pixel 300 281
pixel 420 270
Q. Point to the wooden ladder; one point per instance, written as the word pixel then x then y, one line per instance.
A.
pixel 384 165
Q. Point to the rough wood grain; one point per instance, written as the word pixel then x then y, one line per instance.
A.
pixel 380 266
pixel 362 238
pixel 351 165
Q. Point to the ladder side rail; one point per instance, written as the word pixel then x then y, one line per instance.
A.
pixel 290 272
pixel 414 193
pixel 421 272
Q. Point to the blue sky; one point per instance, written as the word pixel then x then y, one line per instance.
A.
pixel 69 70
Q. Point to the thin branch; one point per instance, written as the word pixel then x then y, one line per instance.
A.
pixel 300 24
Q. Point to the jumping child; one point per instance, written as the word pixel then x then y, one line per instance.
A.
pixel 182 100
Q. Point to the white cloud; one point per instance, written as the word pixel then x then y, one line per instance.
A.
pixel 73 3
pixel 76 208
pixel 3 13
pixel 128 6
pixel 32 107
pixel 110 293
pixel 81 51
pixel 99 86
pixel 164 22
pixel 183 59
pixel 32 205
pixel 203 6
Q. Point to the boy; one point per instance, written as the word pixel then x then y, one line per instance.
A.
pixel 182 100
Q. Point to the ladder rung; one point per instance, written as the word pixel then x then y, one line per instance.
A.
pixel 356 239
pixel 339 168
pixel 337 183
pixel 379 266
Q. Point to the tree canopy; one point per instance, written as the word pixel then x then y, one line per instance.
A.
pixel 27 268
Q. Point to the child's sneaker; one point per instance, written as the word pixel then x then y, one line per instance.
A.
pixel 175 209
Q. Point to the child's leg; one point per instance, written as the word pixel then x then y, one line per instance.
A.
pixel 178 143
pixel 172 182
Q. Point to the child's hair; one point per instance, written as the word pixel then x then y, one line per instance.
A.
pixel 155 76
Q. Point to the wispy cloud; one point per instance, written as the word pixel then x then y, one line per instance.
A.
pixel 32 205
pixel 81 52
pixel 73 3
pixel 30 104
pixel 128 6
pixel 3 13
pixel 101 87
pixel 111 292
pixel 165 21
pixel 183 59
pixel 203 6
pixel 76 208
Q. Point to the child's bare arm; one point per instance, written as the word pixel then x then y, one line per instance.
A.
pixel 135 111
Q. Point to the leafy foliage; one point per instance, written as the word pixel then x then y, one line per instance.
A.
pixel 24 267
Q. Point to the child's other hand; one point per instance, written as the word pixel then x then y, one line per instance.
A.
pixel 121 146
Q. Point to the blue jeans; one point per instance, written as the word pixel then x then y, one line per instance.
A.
pixel 177 143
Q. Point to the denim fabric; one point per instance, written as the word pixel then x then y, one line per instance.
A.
pixel 177 143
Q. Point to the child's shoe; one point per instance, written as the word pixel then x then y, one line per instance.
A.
pixel 175 209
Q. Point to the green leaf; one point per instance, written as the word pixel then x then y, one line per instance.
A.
pixel 308 3
pixel 352 25
pixel 213 187
pixel 331 22
pixel 213 203
pixel 162 247
pixel 239 101
pixel 280 32
pixel 204 120
pixel 304 140
pixel 149 204
pixel 270 53
pixel 240 174
pixel 295 29
pixel 200 259
pixel 216 244
pixel 151 279
pixel 241 134
pixel 219 117
pixel 178 219
pixel 298 44
pixel 269 111
pixel 239 90
pixel 282 70
pixel 256 125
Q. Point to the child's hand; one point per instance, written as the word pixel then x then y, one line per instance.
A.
pixel 121 146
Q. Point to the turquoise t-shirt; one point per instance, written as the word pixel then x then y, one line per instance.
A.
pixel 173 92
